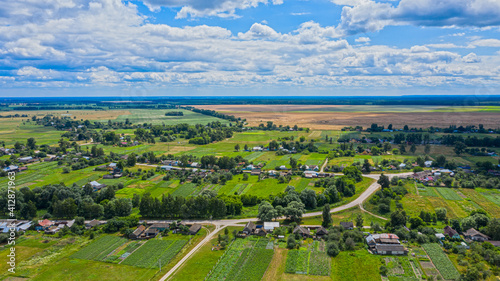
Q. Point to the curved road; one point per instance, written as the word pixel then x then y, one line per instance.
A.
pixel 221 224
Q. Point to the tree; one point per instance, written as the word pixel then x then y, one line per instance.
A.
pixel 384 181
pixel 293 162
pixel 246 147
pixel 266 211
pixel 332 249
pixel 413 149
pixel 427 149
pixel 131 160
pixel 353 172
pixel 350 245
pixel 31 143
pixel 441 213
pixel 359 221
pixel 237 147
pixel 366 166
pixel 327 218
pixel 290 242
pixel 459 147
pixel 493 229
pixel 28 211
pixel 416 222
pixel 402 148
pixel 294 211
pixel 398 218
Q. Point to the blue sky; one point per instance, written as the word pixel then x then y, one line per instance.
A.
pixel 249 47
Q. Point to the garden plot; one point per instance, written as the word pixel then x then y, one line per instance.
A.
pixel 246 259
pixel 400 268
pixel 448 193
pixel 100 249
pixel 154 252
pixel 441 261
pixel 311 260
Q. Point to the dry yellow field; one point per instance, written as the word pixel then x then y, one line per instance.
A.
pixel 331 117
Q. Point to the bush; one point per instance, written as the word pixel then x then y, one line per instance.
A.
pixel 332 249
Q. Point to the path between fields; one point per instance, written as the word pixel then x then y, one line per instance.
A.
pixel 324 165
pixel 188 255
pixel 220 224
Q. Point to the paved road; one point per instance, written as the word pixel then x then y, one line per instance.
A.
pixel 220 224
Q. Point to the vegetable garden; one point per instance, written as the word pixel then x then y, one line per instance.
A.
pixel 441 261
pixel 246 259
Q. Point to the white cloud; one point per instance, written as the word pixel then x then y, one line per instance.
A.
pixel 362 40
pixel 362 16
pixel 300 13
pixel 204 8
pixel 486 43
pixel 471 58
pixel 107 42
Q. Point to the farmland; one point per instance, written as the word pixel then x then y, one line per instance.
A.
pixel 246 259
pixel 325 117
pixel 157 252
pixel 310 261
pixel 100 249
pixel 357 265
pixel 441 261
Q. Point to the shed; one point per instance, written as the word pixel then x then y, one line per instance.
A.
pixel 194 229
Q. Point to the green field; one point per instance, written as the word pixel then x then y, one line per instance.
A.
pixel 100 249
pixel 246 259
pixel 448 193
pixel 359 266
pixel 155 253
pixel 441 261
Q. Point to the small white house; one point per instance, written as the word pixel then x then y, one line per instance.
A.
pixel 271 225
pixel 428 164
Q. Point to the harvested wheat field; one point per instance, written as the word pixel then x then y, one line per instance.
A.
pixel 328 117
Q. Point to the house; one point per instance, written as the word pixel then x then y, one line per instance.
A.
pixel 452 233
pixel 195 165
pixel 25 226
pixel 27 159
pixel 255 172
pixel 390 249
pixel 440 236
pixel 302 231
pixel 11 168
pixel 137 232
pixel 283 167
pixel 347 225
pixel 249 228
pixel 257 148
pixel 160 226
pixel 45 224
pixel 475 235
pixel 271 225
pixel 310 174
pixel 321 232
pixel 108 176
pixel 52 230
pixel 260 232
pixel 92 223
pixel 95 185
pixel 194 229
pixel 384 238
pixel 151 233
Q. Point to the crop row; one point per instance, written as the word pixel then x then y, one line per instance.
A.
pixel 155 252
pixel 246 259
pixel 297 261
pixel 441 261
pixel 99 249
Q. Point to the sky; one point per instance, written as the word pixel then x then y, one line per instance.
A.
pixel 249 47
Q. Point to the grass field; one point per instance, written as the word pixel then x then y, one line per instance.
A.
pixel 358 265
pixel 100 248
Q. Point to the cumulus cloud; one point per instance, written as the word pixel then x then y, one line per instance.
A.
pixel 204 8
pixel 471 58
pixel 362 40
pixel 485 43
pixel 108 42
pixel 362 16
